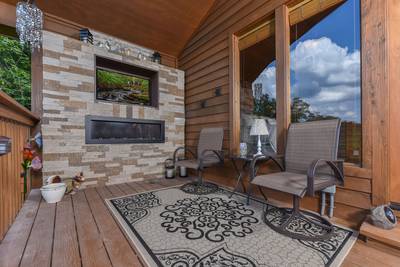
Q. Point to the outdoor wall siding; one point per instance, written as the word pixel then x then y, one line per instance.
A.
pixel 205 60
pixel 69 95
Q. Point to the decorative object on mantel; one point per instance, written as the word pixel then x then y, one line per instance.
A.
pixel 141 56
pixel 118 48
pixel 157 57
pixel 5 145
pixel 29 24
pixel 383 217
pixel 86 36
pixel 259 128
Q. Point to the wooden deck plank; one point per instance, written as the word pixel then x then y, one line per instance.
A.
pixel 115 190
pixel 65 247
pixel 146 186
pixel 134 187
pixel 389 237
pixel 91 246
pixel 138 186
pixel 126 189
pixel 38 250
pixel 363 255
pixel 100 240
pixel 104 192
pixel 118 248
pixel 13 245
pixel 154 185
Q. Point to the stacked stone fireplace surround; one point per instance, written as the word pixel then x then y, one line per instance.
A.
pixel 69 95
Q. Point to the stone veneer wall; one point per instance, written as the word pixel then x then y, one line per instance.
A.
pixel 69 95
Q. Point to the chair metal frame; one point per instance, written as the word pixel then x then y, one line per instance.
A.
pixel 200 187
pixel 295 213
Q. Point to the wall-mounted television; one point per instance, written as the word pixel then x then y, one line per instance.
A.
pixel 126 84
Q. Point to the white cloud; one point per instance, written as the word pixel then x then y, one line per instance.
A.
pixel 268 80
pixel 325 75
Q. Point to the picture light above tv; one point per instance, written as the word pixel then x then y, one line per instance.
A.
pixel 125 84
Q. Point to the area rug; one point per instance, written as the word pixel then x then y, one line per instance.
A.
pixel 172 228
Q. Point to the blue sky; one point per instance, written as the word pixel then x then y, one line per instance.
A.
pixel 339 26
pixel 325 65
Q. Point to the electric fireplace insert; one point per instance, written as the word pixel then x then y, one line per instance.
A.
pixel 110 130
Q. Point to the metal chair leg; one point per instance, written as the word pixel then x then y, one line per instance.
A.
pixel 249 193
pixel 262 193
pixel 200 176
pixel 199 187
pixel 236 186
pixel 322 212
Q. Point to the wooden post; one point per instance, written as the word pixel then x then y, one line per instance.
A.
pixel 394 85
pixel 282 37
pixel 234 94
pixel 375 86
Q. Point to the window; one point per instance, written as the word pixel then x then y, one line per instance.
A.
pixel 15 67
pixel 325 70
pixel 258 84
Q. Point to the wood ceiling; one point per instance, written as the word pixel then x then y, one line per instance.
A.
pixel 161 25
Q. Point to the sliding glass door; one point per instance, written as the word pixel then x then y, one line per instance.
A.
pixel 258 84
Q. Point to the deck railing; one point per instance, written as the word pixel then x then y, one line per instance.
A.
pixel 16 122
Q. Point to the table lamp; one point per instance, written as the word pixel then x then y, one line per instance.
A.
pixel 259 127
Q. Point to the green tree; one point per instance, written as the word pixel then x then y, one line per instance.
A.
pixel 300 112
pixel 15 70
pixel 265 106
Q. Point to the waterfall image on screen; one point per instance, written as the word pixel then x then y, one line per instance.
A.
pixel 123 88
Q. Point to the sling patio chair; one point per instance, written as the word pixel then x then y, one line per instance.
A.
pixel 209 153
pixel 309 165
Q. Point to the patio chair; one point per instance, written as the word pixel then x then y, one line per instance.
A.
pixel 209 153
pixel 310 164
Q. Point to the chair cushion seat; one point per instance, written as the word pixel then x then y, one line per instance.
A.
pixel 194 163
pixel 292 183
pixel 188 163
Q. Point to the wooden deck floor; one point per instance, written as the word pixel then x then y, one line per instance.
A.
pixel 80 231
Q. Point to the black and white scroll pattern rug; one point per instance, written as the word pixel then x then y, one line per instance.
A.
pixel 172 228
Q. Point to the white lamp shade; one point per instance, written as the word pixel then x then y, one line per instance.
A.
pixel 259 127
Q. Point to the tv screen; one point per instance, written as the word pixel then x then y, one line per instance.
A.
pixel 124 88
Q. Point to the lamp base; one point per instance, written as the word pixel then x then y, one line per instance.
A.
pixel 259 153
pixel 259 150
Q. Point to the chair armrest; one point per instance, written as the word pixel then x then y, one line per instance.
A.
pixel 335 165
pixel 263 158
pixel 219 153
pixel 185 150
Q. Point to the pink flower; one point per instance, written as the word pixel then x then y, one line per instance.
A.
pixel 36 163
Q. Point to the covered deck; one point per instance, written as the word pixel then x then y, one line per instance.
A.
pixel 112 91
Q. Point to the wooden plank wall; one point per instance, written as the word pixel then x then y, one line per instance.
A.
pixel 394 84
pixel 206 62
pixel 15 123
